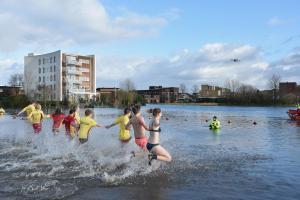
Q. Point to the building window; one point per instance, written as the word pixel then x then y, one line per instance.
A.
pixel 40 70
pixel 51 78
pixel 54 59
pixel 50 68
pixel 39 61
pixel 50 59
pixel 50 87
pixel 43 60
pixel 54 67
pixel 54 87
pixel 40 79
pixel 43 79
pixel 54 77
pixel 43 69
pixel 54 96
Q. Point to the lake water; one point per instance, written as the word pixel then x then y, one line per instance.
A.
pixel 241 161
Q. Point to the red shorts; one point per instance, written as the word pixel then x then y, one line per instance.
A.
pixel 37 128
pixel 141 142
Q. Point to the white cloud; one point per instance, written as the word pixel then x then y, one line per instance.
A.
pixel 275 21
pixel 49 22
pixel 210 64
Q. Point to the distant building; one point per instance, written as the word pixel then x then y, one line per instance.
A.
pixel 208 91
pixel 105 91
pixel 6 91
pixel 286 88
pixel 58 76
pixel 159 94
pixel 185 97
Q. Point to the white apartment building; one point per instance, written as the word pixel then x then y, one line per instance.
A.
pixel 59 76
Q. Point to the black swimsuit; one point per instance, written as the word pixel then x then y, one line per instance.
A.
pixel 150 146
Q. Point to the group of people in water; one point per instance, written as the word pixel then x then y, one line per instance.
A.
pixel 77 127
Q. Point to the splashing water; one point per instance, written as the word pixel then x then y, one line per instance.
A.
pixel 239 157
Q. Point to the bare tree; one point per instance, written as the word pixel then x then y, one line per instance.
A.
pixel 182 88
pixel 232 85
pixel 127 85
pixel 274 86
pixel 28 83
pixel 16 80
pixel 195 89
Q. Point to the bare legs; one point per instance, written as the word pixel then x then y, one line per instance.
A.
pixel 161 153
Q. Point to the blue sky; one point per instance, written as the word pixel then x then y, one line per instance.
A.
pixel 188 41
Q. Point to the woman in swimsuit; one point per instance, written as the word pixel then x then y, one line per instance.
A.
pixel 157 152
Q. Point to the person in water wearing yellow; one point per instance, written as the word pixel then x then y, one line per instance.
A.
pixel 2 111
pixel 36 118
pixel 124 135
pixel 86 123
pixel 28 109
pixel 215 123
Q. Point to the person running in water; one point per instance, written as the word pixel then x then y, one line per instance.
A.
pixel 2 111
pixel 86 123
pixel 157 152
pixel 28 109
pixel 139 127
pixel 124 135
pixel 36 118
pixel 71 125
pixel 77 113
pixel 58 118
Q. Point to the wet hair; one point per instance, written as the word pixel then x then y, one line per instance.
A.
pixel 156 111
pixel 72 111
pixel 136 109
pixel 88 112
pixel 127 111
pixel 57 111
pixel 38 106
pixel 75 106
pixel 215 117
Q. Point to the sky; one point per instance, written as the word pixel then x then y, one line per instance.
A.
pixel 155 42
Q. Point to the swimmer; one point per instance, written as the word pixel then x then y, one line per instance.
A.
pixel 58 118
pixel 124 135
pixel 139 127
pixel 157 152
pixel 86 123
pixel 36 117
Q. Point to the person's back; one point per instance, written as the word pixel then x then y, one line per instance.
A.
pixel 123 133
pixel 139 130
pixel 70 124
pixel 139 127
pixel 86 123
pixel 36 118
pixel 154 131
pixel 57 118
